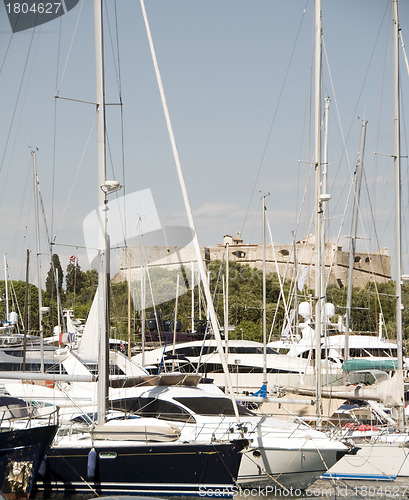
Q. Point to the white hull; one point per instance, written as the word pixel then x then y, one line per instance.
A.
pixel 373 461
pixel 283 468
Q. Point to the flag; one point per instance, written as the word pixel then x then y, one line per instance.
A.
pixel 73 260
pixel 303 277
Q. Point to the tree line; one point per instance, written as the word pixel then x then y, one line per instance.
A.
pixel 76 289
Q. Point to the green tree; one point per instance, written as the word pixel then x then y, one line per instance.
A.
pixel 50 282
pixel 51 291
pixel 17 290
pixel 75 279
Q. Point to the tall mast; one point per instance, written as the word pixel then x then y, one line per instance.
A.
pixel 264 297
pixel 398 240
pixel 226 312
pixel 319 292
pixel 6 287
pixel 357 193
pixel 206 288
pixel 296 325
pixel 325 197
pixel 37 224
pixel 143 291
pixel 193 297
pixel 103 244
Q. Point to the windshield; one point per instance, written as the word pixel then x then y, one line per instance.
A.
pixel 212 406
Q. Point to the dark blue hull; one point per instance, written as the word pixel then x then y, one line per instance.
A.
pixel 21 454
pixel 143 469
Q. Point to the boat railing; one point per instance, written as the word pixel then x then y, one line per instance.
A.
pixel 27 416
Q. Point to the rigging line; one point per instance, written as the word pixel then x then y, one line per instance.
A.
pixel 189 213
pixel 70 47
pixel 117 66
pixel 404 50
pixel 74 180
pixel 17 99
pixel 110 153
pixel 20 224
pixel 22 105
pixel 274 116
pixel 345 138
pixel 121 109
pixel 15 304
pixel 6 53
pixel 121 215
pixel 55 131
pixel 115 57
pixel 381 102
pixel 287 316
pixel 378 246
pixel 372 212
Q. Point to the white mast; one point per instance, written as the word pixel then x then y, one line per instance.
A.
pixel 193 297
pixel 319 292
pixel 143 291
pixel 40 302
pixel 357 193
pixel 398 240
pixel 264 296
pixel 226 312
pixel 325 197
pixel 209 300
pixel 175 319
pixel 103 244
pixel 6 287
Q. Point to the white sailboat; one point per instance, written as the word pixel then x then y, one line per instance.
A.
pixel 384 455
pixel 128 458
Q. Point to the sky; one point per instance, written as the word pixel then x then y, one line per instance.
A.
pixel 238 81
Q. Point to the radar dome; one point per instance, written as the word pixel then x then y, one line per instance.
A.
pixel 304 309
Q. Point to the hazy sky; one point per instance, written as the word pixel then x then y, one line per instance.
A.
pixel 237 77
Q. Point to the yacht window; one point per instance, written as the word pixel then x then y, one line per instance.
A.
pixel 153 407
pixel 361 378
pixel 250 350
pixel 212 406
pixel 373 351
pixel 195 350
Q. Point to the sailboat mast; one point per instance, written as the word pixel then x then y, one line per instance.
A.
pixel 319 292
pixel 226 314
pixel 264 296
pixel 357 193
pixel 103 244
pixel 202 272
pixel 397 170
pixel 6 287
pixel 37 224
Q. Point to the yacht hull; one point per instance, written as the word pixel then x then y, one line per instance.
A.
pixel 142 468
pixel 375 461
pixel 280 468
pixel 21 454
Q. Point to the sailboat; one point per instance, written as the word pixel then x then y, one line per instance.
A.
pixel 384 455
pixel 132 457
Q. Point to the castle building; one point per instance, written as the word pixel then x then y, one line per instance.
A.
pixel 280 258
